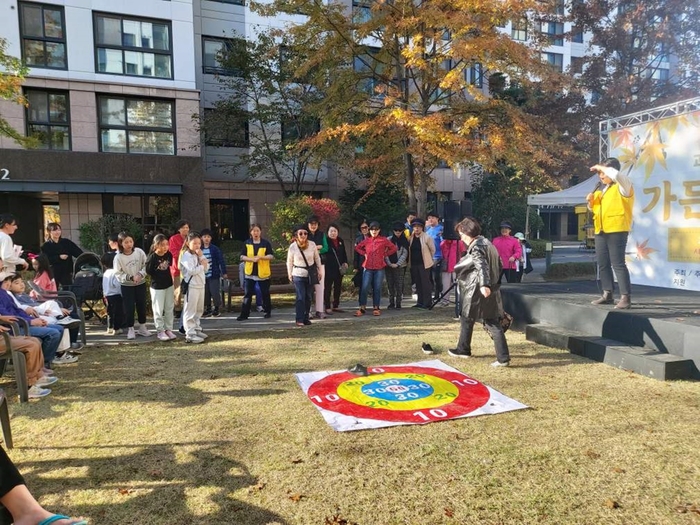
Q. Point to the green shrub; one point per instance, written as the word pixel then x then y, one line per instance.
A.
pixel 286 214
pixel 231 250
pixel 538 248
pixel 570 270
pixel 93 234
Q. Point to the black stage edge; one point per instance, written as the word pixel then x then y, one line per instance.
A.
pixel 663 320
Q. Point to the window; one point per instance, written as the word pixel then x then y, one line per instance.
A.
pixel 299 127
pixel 369 69
pixel 476 75
pixel 212 49
pixel 361 11
pixel 577 35
pixel 48 118
pixel 519 29
pixel 554 32
pixel 559 7
pixel 577 64
pixel 127 46
pixel 226 131
pixel 660 73
pixel 555 59
pixel 43 29
pixel 234 2
pixel 130 125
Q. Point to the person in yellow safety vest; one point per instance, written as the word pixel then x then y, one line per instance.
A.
pixel 256 254
pixel 611 203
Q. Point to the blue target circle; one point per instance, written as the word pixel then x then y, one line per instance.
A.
pixel 398 389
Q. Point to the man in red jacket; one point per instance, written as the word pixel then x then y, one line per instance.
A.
pixel 376 248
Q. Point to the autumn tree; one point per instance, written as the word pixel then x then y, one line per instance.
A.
pixel 12 73
pixel 643 54
pixel 266 109
pixel 403 91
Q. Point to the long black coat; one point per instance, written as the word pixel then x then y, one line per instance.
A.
pixel 480 266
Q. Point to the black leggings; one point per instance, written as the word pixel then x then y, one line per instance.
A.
pixel 134 299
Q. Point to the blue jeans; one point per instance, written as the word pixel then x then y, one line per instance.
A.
pixel 50 337
pixel 302 305
pixel 373 278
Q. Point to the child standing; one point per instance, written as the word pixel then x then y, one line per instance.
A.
pixel 193 266
pixel 162 291
pixel 216 271
pixel 112 293
pixel 130 269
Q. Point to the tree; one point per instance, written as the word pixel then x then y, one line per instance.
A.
pixel 266 109
pixel 12 73
pixel 643 54
pixel 403 85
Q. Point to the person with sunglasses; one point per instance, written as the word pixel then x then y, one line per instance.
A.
pixel 396 266
pixel 302 260
pixel 375 250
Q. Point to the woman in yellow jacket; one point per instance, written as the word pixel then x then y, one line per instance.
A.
pixel 611 203
pixel 256 254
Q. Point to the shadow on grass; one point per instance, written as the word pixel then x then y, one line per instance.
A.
pixel 158 484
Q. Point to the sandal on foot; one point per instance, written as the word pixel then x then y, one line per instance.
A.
pixel 377 312
pixel 360 312
pixel 58 517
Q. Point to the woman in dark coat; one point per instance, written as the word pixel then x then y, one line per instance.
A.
pixel 60 252
pixel 477 276
pixel 336 266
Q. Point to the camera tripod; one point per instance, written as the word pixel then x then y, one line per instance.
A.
pixel 443 294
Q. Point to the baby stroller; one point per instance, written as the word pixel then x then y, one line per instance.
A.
pixel 87 284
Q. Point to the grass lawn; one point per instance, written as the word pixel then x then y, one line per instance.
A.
pixel 220 433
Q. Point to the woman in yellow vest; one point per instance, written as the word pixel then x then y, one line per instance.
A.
pixel 256 254
pixel 611 203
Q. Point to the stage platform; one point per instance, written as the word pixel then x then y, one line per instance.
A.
pixel 661 329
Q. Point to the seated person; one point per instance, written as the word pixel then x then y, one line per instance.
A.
pixel 37 376
pixel 50 335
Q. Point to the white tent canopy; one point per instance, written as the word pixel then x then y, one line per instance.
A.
pixel 568 197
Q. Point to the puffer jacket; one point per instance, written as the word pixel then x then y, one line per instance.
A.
pixel 480 266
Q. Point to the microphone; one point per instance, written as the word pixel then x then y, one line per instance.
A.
pixel 598 186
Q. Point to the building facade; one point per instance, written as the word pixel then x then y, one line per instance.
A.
pixel 111 93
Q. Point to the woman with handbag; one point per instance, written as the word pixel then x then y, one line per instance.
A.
pixel 336 267
pixel 304 271
pixel 477 275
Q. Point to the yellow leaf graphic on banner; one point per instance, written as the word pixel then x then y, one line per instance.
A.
pixel 643 251
pixel 652 153
pixel 627 158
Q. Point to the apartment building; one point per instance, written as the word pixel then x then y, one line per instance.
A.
pixel 111 92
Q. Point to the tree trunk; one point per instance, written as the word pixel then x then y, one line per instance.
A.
pixel 410 179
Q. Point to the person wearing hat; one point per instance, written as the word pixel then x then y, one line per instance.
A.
pixel 510 251
pixel 421 251
pixel 302 259
pixel 525 263
pixel 396 265
pixel 612 218
pixel 375 249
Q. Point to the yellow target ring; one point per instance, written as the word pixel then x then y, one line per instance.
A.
pixel 398 391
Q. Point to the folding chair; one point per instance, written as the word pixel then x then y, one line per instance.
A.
pixel 63 297
pixel 19 363
pixel 5 420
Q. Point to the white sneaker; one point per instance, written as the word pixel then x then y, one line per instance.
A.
pixel 131 334
pixel 497 364
pixel 170 334
pixel 68 322
pixel 201 334
pixel 46 380
pixel 194 339
pixel 110 331
pixel 143 331
pixel 162 336
pixel 65 359
pixel 36 392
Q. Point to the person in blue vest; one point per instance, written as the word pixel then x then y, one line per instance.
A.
pixel 216 271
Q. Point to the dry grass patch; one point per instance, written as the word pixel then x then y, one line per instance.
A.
pixel 221 433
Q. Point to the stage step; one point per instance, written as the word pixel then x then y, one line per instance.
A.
pixel 636 359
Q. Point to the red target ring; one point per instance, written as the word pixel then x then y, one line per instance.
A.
pixel 410 394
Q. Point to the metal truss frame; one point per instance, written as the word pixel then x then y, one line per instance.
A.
pixel 669 110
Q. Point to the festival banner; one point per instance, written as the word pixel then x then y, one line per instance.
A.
pixel 662 158
pixel 410 394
